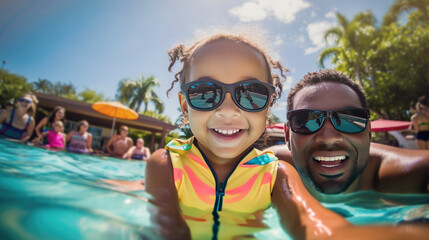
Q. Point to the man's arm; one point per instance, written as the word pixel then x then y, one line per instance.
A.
pixel 282 153
pixel 165 212
pixel 109 144
pixel 303 217
pixel 401 170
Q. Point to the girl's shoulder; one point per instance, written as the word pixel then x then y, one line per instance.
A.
pixel 160 157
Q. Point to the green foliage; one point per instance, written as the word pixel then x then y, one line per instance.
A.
pixel 134 93
pixel 389 61
pixel 43 86
pixel 12 86
pixel 154 114
pixel 90 96
pixel 185 130
pixel 65 90
pixel 273 118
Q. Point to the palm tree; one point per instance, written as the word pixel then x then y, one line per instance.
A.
pixel 400 6
pixel 138 92
pixel 43 86
pixel 353 41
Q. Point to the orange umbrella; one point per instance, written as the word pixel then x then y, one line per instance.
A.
pixel 115 110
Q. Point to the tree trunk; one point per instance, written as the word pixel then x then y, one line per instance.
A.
pixel 357 74
pixel 372 78
pixel 138 106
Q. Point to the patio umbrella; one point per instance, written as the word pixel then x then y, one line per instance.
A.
pixel 116 110
pixel 383 125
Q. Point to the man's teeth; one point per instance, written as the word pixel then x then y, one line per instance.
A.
pixel 227 132
pixel 329 159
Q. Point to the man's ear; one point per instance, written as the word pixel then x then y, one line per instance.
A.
pixel 184 107
pixel 287 137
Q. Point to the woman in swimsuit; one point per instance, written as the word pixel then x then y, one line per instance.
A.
pixel 420 125
pixel 119 144
pixel 18 124
pixel 46 124
pixel 81 140
pixel 138 152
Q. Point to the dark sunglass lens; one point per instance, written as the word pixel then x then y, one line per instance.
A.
pixel 24 100
pixel 252 96
pixel 204 95
pixel 306 121
pixel 350 120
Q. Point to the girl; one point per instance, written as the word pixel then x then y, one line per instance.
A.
pixel 81 140
pixel 46 124
pixel 55 137
pixel 215 185
pixel 138 152
pixel 18 124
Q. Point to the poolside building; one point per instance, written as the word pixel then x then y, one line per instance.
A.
pixel 100 125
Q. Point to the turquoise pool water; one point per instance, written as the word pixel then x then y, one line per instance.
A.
pixel 57 195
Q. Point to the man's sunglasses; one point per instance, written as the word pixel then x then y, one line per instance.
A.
pixel 206 94
pixel 348 120
pixel 24 100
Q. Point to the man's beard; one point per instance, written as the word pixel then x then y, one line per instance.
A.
pixel 331 186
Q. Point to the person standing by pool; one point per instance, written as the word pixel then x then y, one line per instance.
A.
pixel 119 144
pixel 138 152
pixel 329 137
pixel 18 124
pixel 80 141
pixel 420 126
pixel 46 124
pixel 215 185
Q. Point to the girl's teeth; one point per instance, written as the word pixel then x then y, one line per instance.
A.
pixel 227 132
pixel 328 159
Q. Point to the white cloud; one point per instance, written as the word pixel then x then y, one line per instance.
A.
pixel 316 32
pixel 313 14
pixel 249 12
pixel 331 14
pixel 257 10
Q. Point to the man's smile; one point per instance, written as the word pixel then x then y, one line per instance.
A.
pixel 330 166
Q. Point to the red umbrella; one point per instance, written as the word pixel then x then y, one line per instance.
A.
pixel 383 125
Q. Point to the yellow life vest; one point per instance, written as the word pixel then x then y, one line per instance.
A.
pixel 222 210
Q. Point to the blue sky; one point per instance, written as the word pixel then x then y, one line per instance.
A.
pixel 95 43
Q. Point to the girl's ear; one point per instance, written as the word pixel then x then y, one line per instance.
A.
pixel 184 107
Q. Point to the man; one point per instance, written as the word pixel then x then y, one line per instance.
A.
pixel 329 138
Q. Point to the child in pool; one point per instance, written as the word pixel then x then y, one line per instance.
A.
pixel 138 152
pixel 55 137
pixel 47 123
pixel 215 185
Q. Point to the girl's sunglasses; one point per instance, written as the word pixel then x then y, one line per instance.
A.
pixel 24 100
pixel 308 121
pixel 206 94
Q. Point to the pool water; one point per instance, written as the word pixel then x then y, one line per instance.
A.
pixel 58 195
